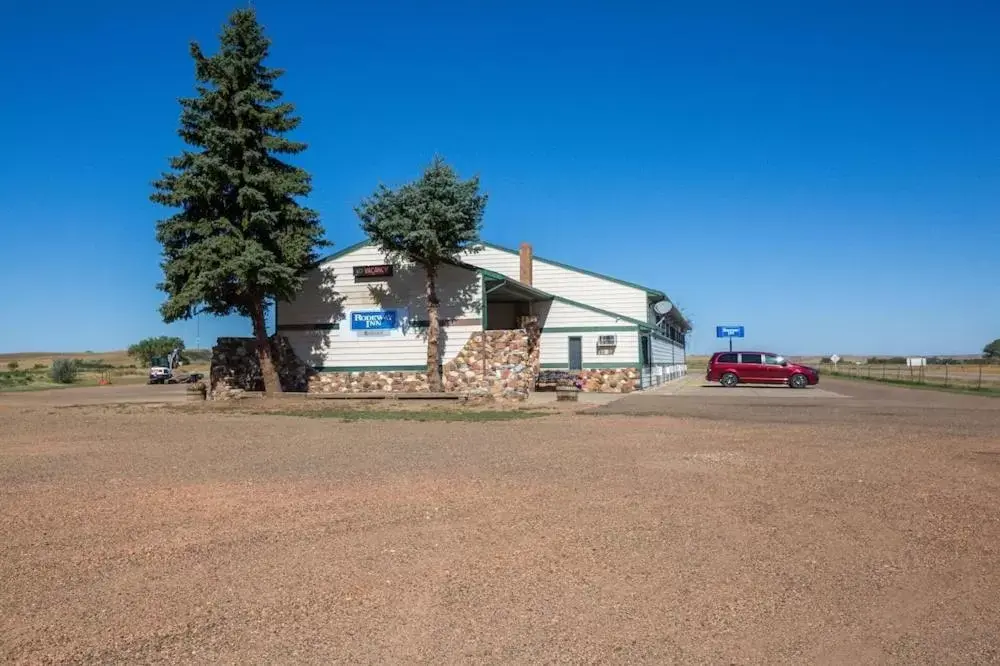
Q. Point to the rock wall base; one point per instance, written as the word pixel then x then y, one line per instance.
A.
pixel 610 380
pixel 236 368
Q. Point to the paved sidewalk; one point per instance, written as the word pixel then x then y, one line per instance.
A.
pixel 583 398
pixel 694 385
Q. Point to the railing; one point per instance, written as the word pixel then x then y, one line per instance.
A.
pixel 657 375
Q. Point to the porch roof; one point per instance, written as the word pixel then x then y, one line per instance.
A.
pixel 501 289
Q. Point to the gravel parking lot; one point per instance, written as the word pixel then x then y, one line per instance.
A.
pixel 656 529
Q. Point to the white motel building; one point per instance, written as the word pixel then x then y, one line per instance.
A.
pixel 359 313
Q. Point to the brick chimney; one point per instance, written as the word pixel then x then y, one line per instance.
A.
pixel 526 261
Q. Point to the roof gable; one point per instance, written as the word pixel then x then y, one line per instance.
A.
pixel 649 290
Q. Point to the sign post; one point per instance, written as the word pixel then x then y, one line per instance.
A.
pixel 729 332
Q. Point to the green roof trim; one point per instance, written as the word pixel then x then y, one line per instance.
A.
pixel 602 276
pixel 492 275
pixel 624 365
pixel 514 284
pixel 588 329
pixel 340 253
pixel 370 368
pixel 606 313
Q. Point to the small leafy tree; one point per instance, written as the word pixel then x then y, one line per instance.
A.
pixel 427 222
pixel 240 239
pixel 992 351
pixel 63 371
pixel 149 348
pixel 13 365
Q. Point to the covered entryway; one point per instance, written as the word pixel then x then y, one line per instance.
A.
pixel 509 304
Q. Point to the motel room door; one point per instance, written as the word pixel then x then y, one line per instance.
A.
pixel 576 353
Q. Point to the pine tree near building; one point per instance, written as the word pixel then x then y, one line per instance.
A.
pixel 428 222
pixel 240 238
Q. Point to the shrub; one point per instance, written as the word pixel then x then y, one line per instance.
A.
pixel 13 365
pixel 39 366
pixel 63 371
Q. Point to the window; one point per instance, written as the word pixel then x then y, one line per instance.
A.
pixel 751 358
pixel 771 359
pixel 726 358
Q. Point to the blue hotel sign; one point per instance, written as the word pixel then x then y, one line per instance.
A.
pixel 729 331
pixel 373 320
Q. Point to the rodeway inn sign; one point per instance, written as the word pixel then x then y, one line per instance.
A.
pixel 373 320
pixel 388 323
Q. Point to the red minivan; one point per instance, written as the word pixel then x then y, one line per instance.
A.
pixel 754 367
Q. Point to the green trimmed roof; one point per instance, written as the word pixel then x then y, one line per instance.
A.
pixel 339 253
pixel 649 290
pixel 656 293
pixel 519 288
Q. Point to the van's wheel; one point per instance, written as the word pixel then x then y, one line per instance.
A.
pixel 798 381
pixel 729 380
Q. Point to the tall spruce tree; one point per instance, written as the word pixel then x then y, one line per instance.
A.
pixel 241 238
pixel 427 222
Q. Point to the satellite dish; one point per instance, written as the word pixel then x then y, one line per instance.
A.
pixel 662 307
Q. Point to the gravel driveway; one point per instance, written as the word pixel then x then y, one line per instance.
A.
pixel 149 534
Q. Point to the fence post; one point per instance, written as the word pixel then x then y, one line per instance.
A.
pixel 946 375
pixel 980 384
pixel 883 372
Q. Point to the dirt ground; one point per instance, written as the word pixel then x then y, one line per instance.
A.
pixel 657 529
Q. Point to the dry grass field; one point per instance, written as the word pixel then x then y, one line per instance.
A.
pixel 31 373
pixel 858 530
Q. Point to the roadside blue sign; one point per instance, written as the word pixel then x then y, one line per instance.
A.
pixel 373 320
pixel 729 331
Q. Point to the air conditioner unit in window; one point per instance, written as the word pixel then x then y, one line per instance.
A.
pixel 607 340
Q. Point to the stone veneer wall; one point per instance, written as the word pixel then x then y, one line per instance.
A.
pixel 501 364
pixel 610 380
pixel 235 367
pixel 368 381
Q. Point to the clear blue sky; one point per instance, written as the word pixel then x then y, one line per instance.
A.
pixel 824 173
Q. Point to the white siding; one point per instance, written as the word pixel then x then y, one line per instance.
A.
pixel 330 349
pixel 574 285
pixel 554 349
pixel 498 261
pixel 665 351
pixel 593 291
pixel 553 314
pixel 331 290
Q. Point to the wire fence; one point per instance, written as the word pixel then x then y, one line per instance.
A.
pixel 975 377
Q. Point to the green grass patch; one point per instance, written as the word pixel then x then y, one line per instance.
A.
pixel 34 386
pixel 412 415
